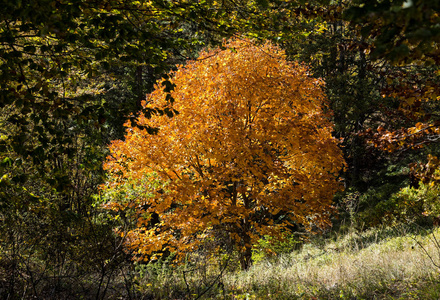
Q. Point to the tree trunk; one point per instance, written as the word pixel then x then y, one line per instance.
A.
pixel 246 258
pixel 139 87
pixel 246 250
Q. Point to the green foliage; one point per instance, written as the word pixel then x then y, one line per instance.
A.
pixel 417 204
pixel 126 199
pixel 374 205
pixel 339 55
pixel 156 278
pixel 399 201
pixel 268 247
pixel 403 31
pixel 404 206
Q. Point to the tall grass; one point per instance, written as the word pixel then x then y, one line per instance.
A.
pixel 376 264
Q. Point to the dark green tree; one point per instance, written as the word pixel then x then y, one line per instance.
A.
pixel 401 30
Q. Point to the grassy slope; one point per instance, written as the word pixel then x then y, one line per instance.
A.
pixel 377 264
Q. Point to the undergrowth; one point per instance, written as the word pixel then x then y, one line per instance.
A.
pixel 386 263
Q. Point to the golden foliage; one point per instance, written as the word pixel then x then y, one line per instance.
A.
pixel 251 140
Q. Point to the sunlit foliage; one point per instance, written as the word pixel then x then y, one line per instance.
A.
pixel 251 140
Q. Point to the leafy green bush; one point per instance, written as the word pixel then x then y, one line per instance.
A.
pixel 268 247
pixel 408 205
pixel 371 208
pixel 416 204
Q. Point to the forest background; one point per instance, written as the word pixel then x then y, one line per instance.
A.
pixel 73 72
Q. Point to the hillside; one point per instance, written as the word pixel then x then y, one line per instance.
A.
pixel 388 263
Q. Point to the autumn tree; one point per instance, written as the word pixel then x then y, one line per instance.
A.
pixel 70 74
pixel 250 138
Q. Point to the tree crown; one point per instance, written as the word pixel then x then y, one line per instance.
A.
pixel 251 142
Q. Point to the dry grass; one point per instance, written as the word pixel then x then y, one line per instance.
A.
pixel 376 264
pixel 352 267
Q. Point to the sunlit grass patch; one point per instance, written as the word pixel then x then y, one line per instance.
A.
pixel 354 266
pixel 375 264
